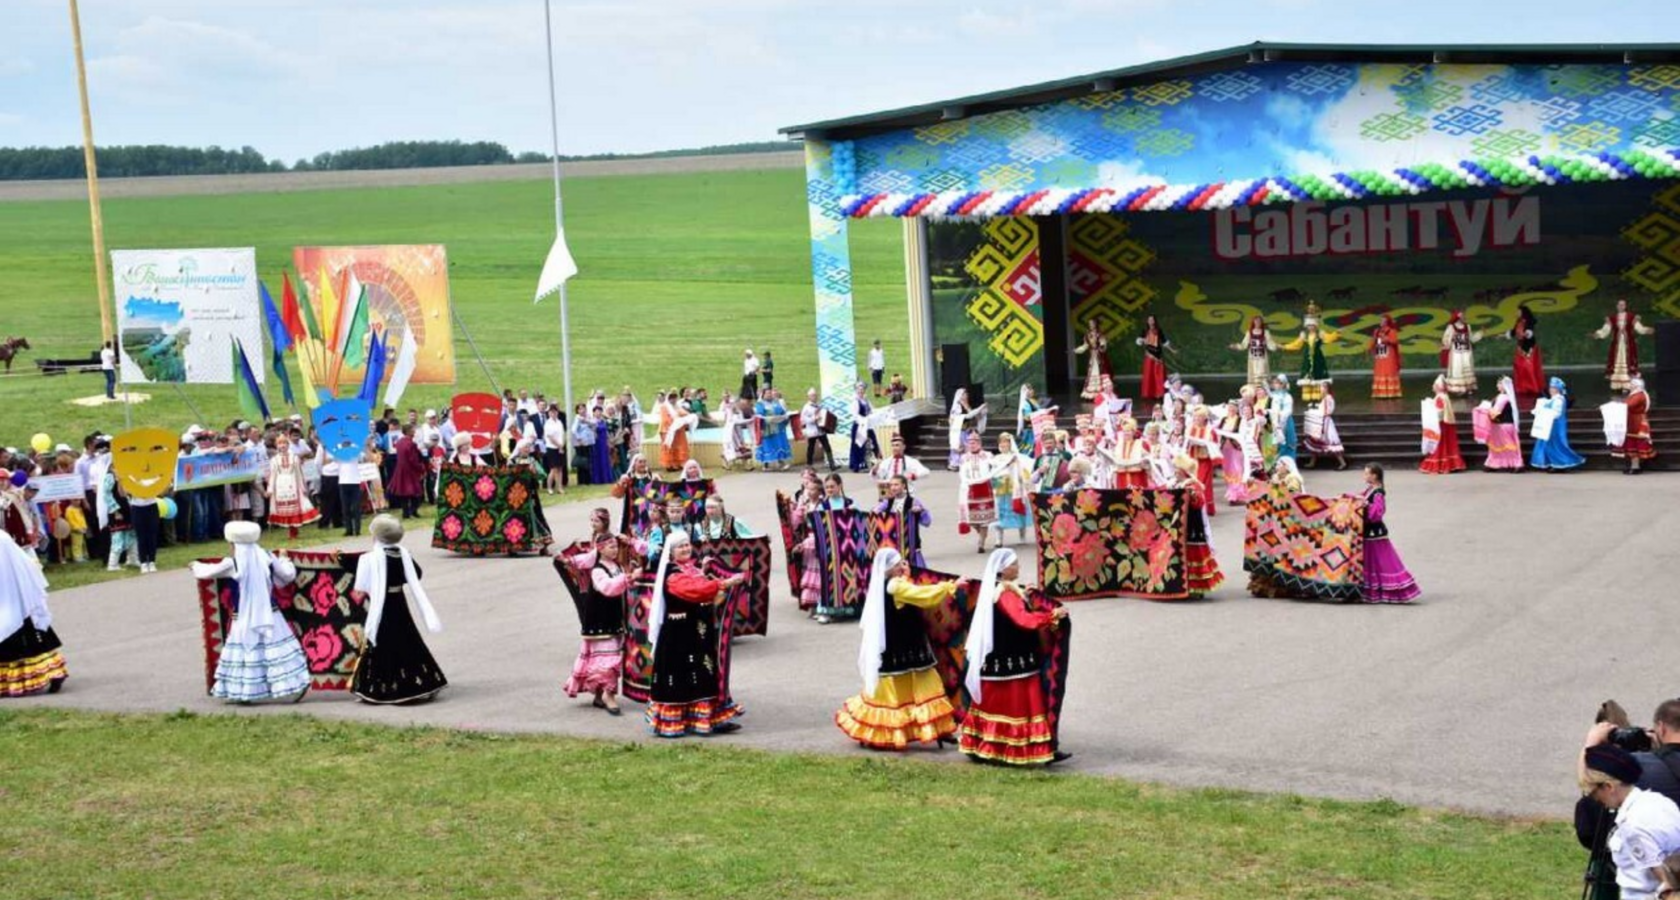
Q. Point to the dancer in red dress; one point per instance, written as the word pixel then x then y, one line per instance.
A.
pixel 1622 327
pixel 1385 360
pixel 1444 458
pixel 1201 569
pixel 1528 371
pixel 1636 447
pixel 1009 716
pixel 1201 442
pixel 1154 343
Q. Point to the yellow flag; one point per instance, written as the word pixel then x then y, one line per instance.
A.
pixel 329 309
pixel 306 365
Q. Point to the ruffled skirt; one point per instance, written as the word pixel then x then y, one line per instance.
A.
pixel 274 669
pixel 600 663
pixel 1386 578
pixel 907 707
pixel 1010 725
pixel 1504 450
pixel 31 663
pixel 670 720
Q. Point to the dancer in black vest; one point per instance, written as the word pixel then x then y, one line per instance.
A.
pixel 600 609
pixel 903 697
pixel 1009 717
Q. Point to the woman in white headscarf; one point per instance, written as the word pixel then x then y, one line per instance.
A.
pixel 1008 719
pixel 957 425
pixel 1011 488
pixel 1504 427
pixel 395 666
pixel 903 698
pixel 30 659
pixel 261 657
pixel 687 696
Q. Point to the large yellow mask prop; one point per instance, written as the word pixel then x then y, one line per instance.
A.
pixel 144 460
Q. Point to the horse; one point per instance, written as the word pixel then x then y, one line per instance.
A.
pixel 10 348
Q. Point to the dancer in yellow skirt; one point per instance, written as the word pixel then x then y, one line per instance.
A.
pixel 903 697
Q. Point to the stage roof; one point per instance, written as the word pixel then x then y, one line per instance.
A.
pixel 1264 124
pixel 850 127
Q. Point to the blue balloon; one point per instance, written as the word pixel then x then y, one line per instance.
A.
pixel 167 508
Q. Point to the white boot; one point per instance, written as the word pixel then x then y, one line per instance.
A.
pixel 114 562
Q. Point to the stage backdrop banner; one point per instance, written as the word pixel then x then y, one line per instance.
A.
pixel 1112 543
pixel 317 607
pixel 1310 546
pixel 179 311
pixel 407 290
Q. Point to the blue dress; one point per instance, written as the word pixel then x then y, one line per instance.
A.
pixel 773 445
pixel 1025 442
pixel 1286 405
pixel 600 456
pixel 1554 452
pixel 863 438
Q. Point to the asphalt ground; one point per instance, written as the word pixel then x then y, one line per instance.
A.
pixel 1543 596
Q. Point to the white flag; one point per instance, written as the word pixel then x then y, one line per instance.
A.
pixel 557 270
pixel 347 306
pixel 407 356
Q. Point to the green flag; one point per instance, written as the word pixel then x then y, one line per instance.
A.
pixel 251 401
pixel 312 327
pixel 354 350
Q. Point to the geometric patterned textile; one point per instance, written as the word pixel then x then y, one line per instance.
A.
pixel 1103 264
pixel 1657 234
pixel 646 493
pixel 317 607
pixel 1112 543
pixel 793 534
pixel 638 652
pixel 1313 547
pixel 750 607
pixel 844 556
pixel 947 629
pixel 1008 304
pixel 486 510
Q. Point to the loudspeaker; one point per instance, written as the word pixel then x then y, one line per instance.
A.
pixel 1666 381
pixel 953 370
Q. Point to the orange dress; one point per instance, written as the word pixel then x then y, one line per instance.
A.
pixel 673 453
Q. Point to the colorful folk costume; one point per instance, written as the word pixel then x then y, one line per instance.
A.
pixel 261 657
pixel 1458 355
pixel 903 699
pixel 601 618
pixel 1201 442
pixel 1440 433
pixel 1622 328
pixel 1551 431
pixel 1257 345
pixel 30 659
pixel 1281 409
pixel 1498 425
pixel 911 518
pixel 865 446
pixel 1385 360
pixel 805 542
pixel 976 503
pixel 957 426
pixel 395 666
pixel 774 447
pixel 1155 344
pixel 1315 370
pixel 1096 361
pixel 1011 487
pixel 1239 453
pixel 1635 446
pixel 1026 434
pixel 1009 719
pixel 1386 578
pixel 690 694
pixel 1528 369
pixel 1319 434
pixel 674 426
pixel 1201 568
pixel 288 497
pixel 1130 458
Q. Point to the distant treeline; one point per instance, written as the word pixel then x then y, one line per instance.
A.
pixel 39 163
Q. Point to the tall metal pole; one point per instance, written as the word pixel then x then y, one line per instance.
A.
pixel 559 224
pixel 98 220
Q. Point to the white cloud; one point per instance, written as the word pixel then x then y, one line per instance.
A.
pixel 13 66
pixel 11 120
pixel 980 23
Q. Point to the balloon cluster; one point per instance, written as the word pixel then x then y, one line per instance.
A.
pixel 844 163
pixel 41 442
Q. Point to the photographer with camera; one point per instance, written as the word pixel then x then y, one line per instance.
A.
pixel 1622 822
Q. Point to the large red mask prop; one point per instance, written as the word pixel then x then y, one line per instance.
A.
pixel 479 415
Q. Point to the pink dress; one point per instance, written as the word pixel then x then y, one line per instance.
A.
pixel 1386 578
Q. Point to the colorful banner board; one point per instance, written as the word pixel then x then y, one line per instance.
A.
pixel 407 291
pixel 179 311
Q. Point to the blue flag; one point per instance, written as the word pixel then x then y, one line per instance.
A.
pixel 251 401
pixel 375 369
pixel 280 340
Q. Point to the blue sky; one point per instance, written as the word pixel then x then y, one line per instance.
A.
pixel 295 77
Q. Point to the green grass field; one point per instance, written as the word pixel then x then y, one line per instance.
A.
pixel 679 274
pixel 288 806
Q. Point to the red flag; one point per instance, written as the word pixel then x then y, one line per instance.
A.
pixel 289 314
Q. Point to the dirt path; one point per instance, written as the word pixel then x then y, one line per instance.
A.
pixel 280 182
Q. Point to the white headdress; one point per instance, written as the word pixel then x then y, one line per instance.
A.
pixel 371 571
pixel 656 615
pixel 874 621
pixel 980 631
pixel 23 590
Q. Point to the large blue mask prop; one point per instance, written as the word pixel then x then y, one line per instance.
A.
pixel 343 428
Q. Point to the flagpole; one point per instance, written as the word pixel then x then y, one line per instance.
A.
pixel 554 135
pixel 101 277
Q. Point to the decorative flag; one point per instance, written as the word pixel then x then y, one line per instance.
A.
pixel 289 313
pixel 356 329
pixel 557 269
pixel 329 310
pixel 407 356
pixel 251 401
pixel 311 327
pixel 350 300
pixel 306 354
pixel 375 370
pixel 280 340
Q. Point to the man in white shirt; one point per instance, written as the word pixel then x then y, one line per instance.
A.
pixel 350 495
pixel 877 366
pixel 1647 826
pixel 898 464
pixel 811 420
pixel 583 444
pixel 108 367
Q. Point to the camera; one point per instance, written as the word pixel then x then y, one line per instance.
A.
pixel 1626 736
